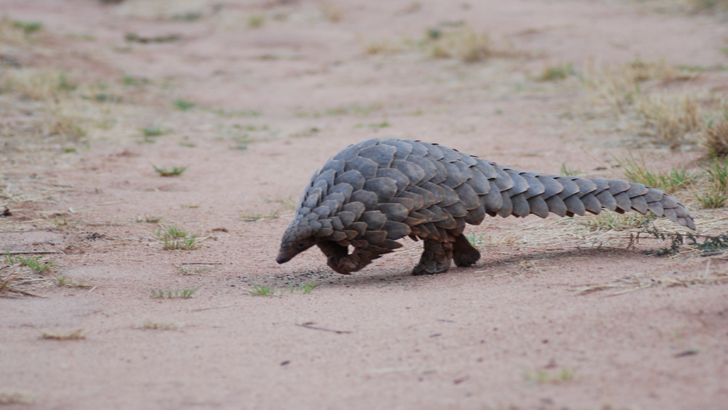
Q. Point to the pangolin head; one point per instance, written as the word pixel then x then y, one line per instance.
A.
pixel 300 236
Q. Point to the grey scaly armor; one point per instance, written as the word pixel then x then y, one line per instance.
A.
pixel 377 191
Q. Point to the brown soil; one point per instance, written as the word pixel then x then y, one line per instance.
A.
pixel 550 317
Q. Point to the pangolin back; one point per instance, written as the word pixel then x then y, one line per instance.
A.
pixel 380 190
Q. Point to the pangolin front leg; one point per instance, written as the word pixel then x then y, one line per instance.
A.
pixel 339 259
pixel 436 258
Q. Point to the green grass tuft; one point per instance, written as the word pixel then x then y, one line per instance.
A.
pixel 172 294
pixel 565 172
pixel 152 132
pixel 307 287
pixel 552 377
pixel 256 20
pixel 260 290
pixel 174 238
pixel 175 171
pixel 670 182
pixel 71 283
pixel 475 240
pixel 28 27
pixel 557 72
pixel 183 105
pixel 716 194
pixel 615 222
pixel 31 262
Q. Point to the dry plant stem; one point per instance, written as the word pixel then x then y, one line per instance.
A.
pixel 308 326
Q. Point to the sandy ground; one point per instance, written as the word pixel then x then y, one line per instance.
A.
pixel 513 332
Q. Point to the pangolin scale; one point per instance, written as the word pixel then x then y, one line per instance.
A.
pixel 380 190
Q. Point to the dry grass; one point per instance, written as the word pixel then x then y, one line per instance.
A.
pixel 640 97
pixel 468 45
pixel 75 335
pixel 618 87
pixel 450 41
pixel 17 33
pixel 64 120
pixel 646 281
pixel 15 396
pixel 156 326
pixel 35 84
pixel 162 9
pixel 63 281
pixel 384 47
pixel 715 134
pixel 53 114
pixel 332 12
pixel 708 5
pixel 670 121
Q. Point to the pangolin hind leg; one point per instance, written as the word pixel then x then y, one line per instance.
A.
pixel 436 258
pixel 463 253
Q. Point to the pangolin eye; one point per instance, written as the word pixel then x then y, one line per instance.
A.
pixel 300 245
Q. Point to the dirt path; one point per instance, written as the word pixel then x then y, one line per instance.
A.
pixel 252 97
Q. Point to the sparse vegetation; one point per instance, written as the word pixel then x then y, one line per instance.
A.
pixel 174 238
pixel 557 72
pixel 711 245
pixel 383 47
pixel 256 20
pixel 75 335
pixel 665 119
pixel 708 5
pixel 669 182
pixel 135 38
pixel 260 290
pixel 288 204
pixel 715 134
pixel 306 133
pixel 28 27
pixel 152 132
pixel 610 221
pixel 670 121
pixel 71 283
pixel 565 172
pixel 14 396
pixel 189 16
pixel 715 194
pixel 156 326
pixel 31 262
pixel 259 217
pixel 382 124
pixel 148 218
pixel 354 109
pixel 235 113
pixel 183 105
pixel 548 376
pixel 475 239
pixel 460 41
pixel 191 270
pixel 172 294
pixel 131 81
pixel 307 287
pixel 36 84
pixel 332 12
pixel 175 171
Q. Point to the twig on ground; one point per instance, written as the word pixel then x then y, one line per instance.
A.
pixel 31 252
pixel 214 307
pixel 307 325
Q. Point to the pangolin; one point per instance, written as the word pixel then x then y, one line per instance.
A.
pixel 380 190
